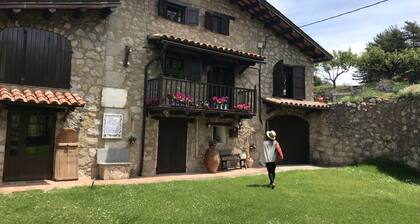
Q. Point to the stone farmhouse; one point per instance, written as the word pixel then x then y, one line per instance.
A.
pixel 155 79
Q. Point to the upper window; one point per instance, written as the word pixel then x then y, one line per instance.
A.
pixel 289 81
pixel 181 66
pixel 218 23
pixel 34 57
pixel 178 12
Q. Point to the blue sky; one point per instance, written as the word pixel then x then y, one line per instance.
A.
pixel 353 30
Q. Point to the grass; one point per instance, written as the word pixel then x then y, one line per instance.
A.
pixel 402 90
pixel 370 193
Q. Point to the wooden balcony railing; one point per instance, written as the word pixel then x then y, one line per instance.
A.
pixel 176 93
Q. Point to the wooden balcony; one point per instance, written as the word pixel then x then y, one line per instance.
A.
pixel 174 97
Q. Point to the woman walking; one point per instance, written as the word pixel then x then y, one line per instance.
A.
pixel 272 152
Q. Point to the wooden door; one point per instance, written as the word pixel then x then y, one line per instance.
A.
pixel 29 145
pixel 172 146
pixel 223 79
pixel 293 136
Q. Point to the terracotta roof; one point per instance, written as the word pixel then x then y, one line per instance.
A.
pixel 39 96
pixel 295 103
pixel 206 46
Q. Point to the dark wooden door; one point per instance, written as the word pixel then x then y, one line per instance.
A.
pixel 293 136
pixel 223 78
pixel 29 145
pixel 172 146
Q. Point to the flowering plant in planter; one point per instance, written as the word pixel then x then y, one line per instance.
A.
pixel 179 99
pixel 220 102
pixel 242 106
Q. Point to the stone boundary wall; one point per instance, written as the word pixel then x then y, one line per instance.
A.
pixel 354 132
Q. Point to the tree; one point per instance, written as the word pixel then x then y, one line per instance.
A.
pixel 393 54
pixel 342 62
pixel 317 80
pixel 412 34
pixel 390 40
pixel 375 64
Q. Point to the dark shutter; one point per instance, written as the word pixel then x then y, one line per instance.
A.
pixel 299 82
pixel 209 21
pixel 191 16
pixel 194 69
pixel 162 8
pixel 225 25
pixel 278 73
pixel 35 57
pixel 12 50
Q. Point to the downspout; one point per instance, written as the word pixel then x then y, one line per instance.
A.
pixel 259 90
pixel 143 132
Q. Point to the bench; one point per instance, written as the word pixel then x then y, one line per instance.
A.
pixel 227 156
pixel 113 164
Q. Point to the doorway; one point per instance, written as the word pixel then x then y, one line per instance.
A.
pixel 172 149
pixel 29 145
pixel 221 80
pixel 293 136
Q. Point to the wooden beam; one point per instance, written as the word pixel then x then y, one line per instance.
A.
pixel 297 40
pixel 272 21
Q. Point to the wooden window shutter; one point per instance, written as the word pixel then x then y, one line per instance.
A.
pixel 162 7
pixel 192 16
pixel 35 57
pixel 12 42
pixel 299 82
pixel 194 69
pixel 208 21
pixel 278 73
pixel 225 25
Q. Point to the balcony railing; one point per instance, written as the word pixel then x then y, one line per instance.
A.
pixel 180 94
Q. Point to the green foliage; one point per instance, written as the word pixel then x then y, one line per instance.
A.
pixel 342 62
pixel 394 54
pixel 390 40
pixel 357 194
pixel 409 91
pixel 317 80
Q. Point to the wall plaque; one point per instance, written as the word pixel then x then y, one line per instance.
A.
pixel 112 126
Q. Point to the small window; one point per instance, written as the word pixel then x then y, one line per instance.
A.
pixel 218 23
pixel 178 12
pixel 175 13
pixel 219 134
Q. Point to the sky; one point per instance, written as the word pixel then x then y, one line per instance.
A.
pixel 350 31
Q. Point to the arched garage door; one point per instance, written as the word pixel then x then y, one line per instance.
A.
pixel 293 136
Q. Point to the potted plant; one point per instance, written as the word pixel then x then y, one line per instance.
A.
pixel 212 158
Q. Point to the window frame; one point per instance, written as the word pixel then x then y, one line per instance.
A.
pixel 222 130
pixel 224 22
pixel 190 15
pixel 285 81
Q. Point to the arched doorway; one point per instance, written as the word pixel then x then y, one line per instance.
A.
pixel 293 136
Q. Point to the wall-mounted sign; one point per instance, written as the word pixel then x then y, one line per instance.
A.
pixel 112 126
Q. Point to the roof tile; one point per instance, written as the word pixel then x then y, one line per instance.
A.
pixel 295 103
pixel 39 96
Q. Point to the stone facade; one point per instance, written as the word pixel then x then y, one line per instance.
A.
pixel 98 50
pixel 350 133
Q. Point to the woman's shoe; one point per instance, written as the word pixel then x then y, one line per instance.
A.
pixel 273 186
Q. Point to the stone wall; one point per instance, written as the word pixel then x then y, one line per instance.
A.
pixel 351 133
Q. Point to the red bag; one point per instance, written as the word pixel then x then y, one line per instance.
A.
pixel 279 152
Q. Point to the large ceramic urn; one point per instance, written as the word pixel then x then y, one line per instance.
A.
pixel 212 159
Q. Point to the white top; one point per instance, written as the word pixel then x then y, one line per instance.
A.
pixel 269 152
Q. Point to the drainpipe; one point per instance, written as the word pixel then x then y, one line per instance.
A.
pixel 143 132
pixel 259 90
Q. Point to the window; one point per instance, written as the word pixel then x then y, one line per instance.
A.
pixel 218 23
pixel 175 13
pixel 178 12
pixel 219 134
pixel 34 57
pixel 289 81
pixel 180 66
pixel 175 68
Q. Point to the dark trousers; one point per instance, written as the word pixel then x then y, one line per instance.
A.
pixel 271 169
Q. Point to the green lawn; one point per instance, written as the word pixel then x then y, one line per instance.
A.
pixel 359 194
